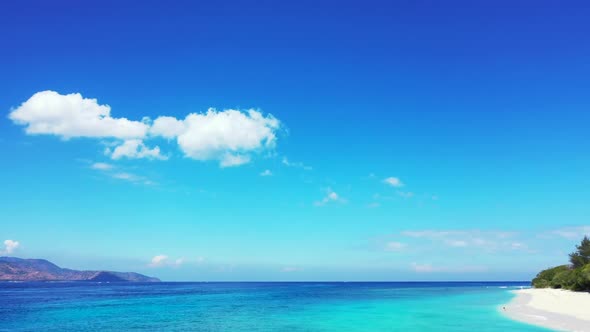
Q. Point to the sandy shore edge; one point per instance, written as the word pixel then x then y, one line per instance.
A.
pixel 551 308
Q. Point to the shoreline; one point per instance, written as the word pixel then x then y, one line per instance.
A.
pixel 556 309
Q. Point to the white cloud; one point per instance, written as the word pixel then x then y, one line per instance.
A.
pixel 231 160
pixel 230 137
pixel 394 246
pixel 331 196
pixel 394 182
pixel 135 149
pixel 167 127
pixel 68 116
pixel 166 261
pixel 9 247
pixel 119 174
pixel 102 166
pixel 132 178
pixel 126 176
pixel 266 172
pixel 288 163
pixel 575 232
pixel 486 240
pixel 158 260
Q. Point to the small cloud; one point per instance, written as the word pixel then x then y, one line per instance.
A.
pixel 102 166
pixel 394 246
pixel 164 260
pixel 132 178
pixel 9 247
pixel 158 260
pixel 330 197
pixel 126 176
pixel 288 163
pixel 232 160
pixel 394 182
pixel 266 172
pixel 135 149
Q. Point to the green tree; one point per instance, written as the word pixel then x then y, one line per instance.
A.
pixel 544 278
pixel 581 256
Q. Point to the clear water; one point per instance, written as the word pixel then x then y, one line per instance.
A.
pixel 256 307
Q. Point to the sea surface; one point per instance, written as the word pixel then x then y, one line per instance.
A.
pixel 309 306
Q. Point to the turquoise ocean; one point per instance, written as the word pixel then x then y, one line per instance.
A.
pixel 302 306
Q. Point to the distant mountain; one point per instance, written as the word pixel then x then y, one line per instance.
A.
pixel 18 269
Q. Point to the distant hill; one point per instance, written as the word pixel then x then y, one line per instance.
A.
pixel 18 269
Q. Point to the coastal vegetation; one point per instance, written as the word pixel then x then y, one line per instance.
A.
pixel 575 276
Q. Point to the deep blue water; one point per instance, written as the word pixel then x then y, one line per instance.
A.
pixel 310 306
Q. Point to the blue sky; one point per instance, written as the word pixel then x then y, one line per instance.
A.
pixel 346 141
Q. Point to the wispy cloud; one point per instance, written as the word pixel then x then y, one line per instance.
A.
pixel 331 197
pixel 116 173
pixel 572 232
pixel 126 176
pixel 102 166
pixel 429 268
pixel 289 163
pixel 485 240
pixel 290 269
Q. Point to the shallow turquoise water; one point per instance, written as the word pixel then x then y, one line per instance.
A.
pixel 256 307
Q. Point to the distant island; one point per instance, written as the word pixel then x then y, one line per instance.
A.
pixel 18 269
pixel 575 276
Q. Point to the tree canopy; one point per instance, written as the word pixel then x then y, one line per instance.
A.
pixel 574 277
pixel 581 256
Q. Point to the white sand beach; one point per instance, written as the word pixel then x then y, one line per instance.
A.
pixel 552 308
